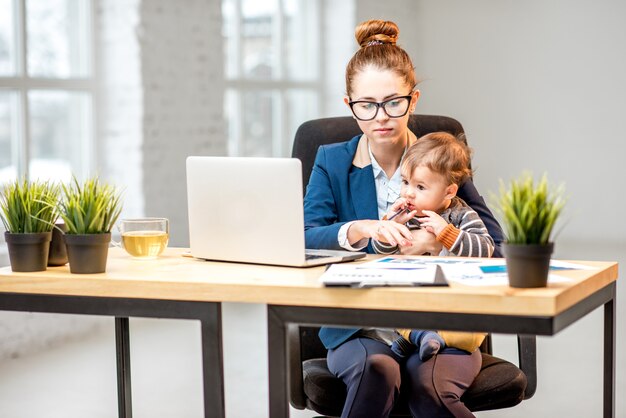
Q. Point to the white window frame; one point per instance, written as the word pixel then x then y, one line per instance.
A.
pixel 279 86
pixel 21 83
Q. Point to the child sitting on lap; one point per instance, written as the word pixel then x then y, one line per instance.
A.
pixel 432 170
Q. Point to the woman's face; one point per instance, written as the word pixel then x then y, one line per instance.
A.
pixel 376 85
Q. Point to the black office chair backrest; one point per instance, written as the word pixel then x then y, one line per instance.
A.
pixel 310 135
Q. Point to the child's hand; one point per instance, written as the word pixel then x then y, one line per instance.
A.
pixel 403 217
pixel 395 207
pixel 432 222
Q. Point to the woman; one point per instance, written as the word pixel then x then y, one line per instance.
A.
pixel 352 186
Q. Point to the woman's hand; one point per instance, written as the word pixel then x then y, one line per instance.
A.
pixel 423 242
pixel 385 231
pixel 433 222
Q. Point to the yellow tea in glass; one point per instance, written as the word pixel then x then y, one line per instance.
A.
pixel 145 238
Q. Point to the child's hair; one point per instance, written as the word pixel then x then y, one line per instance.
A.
pixel 377 39
pixel 442 153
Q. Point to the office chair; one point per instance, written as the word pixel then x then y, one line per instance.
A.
pixel 499 384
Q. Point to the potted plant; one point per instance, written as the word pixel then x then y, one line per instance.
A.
pixel 529 211
pixel 28 211
pixel 58 252
pixel 89 211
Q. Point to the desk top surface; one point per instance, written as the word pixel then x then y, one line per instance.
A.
pixel 174 277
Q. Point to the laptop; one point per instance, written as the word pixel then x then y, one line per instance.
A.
pixel 250 210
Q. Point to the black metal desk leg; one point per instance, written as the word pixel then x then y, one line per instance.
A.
pixel 609 357
pixel 277 357
pixel 212 364
pixel 122 349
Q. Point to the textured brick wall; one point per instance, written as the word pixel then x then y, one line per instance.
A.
pixel 160 72
pixel 182 73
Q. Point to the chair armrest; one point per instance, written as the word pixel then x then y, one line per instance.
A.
pixel 297 397
pixel 487 345
pixel 527 351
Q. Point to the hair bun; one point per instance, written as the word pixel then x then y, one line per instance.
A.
pixel 376 32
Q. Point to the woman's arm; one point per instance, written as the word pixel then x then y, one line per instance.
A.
pixel 320 211
pixel 470 195
pixel 322 220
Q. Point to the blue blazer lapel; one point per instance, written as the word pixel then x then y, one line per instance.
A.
pixel 363 192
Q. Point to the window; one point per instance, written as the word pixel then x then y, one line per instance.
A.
pixel 273 71
pixel 46 89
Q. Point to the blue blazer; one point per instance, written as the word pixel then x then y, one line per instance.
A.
pixel 341 189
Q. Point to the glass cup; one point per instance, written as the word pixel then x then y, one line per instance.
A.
pixel 145 238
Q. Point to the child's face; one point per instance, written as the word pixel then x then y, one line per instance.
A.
pixel 424 189
pixel 377 85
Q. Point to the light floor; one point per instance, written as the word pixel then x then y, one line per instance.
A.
pixel 77 379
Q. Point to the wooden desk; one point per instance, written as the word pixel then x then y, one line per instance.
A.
pixel 178 287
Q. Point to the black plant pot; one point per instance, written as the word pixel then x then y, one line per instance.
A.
pixel 58 253
pixel 28 252
pixel 87 253
pixel 527 265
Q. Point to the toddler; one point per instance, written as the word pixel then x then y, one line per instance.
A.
pixel 432 170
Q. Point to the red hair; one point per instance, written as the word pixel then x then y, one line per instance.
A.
pixel 377 39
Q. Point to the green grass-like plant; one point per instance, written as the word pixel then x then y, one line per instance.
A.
pixel 529 210
pixel 90 208
pixel 29 206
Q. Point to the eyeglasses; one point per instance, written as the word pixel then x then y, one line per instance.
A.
pixel 394 108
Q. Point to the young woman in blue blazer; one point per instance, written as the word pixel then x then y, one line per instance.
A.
pixel 351 187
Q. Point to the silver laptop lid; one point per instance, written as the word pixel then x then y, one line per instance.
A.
pixel 246 209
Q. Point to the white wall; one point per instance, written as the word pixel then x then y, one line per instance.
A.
pixel 538 85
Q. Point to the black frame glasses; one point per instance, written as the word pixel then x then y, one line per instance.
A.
pixel 382 105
